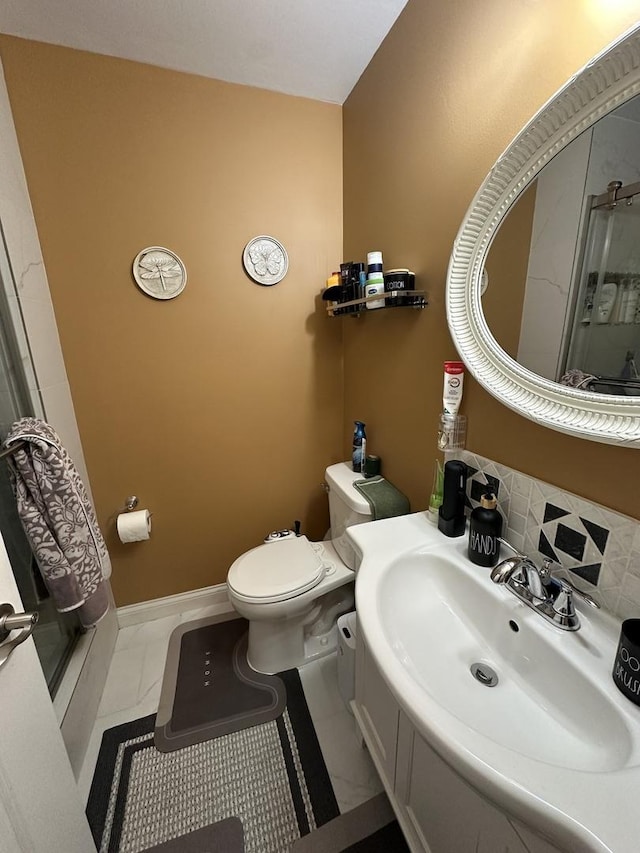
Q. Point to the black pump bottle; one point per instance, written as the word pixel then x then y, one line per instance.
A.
pixel 485 526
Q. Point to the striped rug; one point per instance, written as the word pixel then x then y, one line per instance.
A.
pixel 272 777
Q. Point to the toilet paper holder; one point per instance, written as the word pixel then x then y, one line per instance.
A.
pixel 130 503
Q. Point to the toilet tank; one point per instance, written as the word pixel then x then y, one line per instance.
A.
pixel 346 508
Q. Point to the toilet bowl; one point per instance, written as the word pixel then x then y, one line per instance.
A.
pixel 292 591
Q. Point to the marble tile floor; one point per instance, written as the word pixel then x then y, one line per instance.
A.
pixel 132 690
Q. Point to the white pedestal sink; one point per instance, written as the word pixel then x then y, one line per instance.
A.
pixel 553 745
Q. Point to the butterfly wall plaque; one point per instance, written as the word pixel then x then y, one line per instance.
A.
pixel 265 260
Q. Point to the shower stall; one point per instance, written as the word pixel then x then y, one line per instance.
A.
pixel 56 634
pixel 605 337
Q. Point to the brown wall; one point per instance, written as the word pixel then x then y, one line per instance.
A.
pixel 447 91
pixel 221 408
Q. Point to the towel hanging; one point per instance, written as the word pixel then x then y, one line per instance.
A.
pixel 59 520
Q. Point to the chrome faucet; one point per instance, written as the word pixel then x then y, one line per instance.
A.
pixel 550 596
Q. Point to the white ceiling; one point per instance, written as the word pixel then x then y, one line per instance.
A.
pixel 314 48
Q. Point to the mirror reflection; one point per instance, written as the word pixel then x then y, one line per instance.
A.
pixel 564 269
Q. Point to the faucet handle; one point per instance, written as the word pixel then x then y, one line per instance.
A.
pixel 546 570
pixel 583 595
pixel 516 551
pixel 547 574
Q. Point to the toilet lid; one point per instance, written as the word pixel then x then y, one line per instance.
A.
pixel 277 570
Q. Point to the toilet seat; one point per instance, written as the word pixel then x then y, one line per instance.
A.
pixel 276 571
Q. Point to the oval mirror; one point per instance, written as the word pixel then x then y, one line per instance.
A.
pixel 553 330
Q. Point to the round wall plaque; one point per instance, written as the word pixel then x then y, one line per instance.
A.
pixel 159 272
pixel 265 260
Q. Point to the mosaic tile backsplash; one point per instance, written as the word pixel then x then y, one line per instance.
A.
pixel 599 549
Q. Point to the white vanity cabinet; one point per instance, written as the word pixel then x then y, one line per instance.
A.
pixel 377 713
pixel 437 810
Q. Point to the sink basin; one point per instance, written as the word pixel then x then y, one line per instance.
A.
pixel 541 706
pixel 553 742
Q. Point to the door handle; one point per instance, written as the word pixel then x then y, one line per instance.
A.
pixel 11 621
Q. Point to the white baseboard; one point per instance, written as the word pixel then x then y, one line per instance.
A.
pixel 214 597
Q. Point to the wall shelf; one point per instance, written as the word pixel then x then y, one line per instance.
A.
pixel 414 299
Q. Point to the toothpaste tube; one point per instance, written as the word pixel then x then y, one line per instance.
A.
pixel 453 379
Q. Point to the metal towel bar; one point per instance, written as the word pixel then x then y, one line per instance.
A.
pixel 8 451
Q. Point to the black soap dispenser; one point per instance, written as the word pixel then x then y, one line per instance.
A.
pixel 451 520
pixel 485 526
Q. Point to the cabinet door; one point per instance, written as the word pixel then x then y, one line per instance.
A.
pixel 378 711
pixel 444 813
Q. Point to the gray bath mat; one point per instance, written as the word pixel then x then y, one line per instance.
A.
pixel 209 689
pixel 271 777
pixel 224 836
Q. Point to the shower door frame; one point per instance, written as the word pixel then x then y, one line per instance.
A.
pixel 55 635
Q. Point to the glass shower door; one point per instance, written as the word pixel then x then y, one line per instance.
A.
pixel 56 633
pixel 605 340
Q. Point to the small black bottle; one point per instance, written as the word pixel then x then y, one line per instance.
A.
pixel 485 526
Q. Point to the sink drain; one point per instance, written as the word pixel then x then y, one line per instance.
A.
pixel 483 673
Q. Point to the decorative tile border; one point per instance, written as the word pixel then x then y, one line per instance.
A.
pixel 598 548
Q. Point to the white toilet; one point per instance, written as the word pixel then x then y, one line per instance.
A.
pixel 292 591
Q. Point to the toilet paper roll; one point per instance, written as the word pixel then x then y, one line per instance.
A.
pixel 134 526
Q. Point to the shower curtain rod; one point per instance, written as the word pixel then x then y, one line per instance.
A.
pixel 8 451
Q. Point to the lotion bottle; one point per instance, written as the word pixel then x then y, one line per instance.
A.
pixel 485 526
pixel 375 280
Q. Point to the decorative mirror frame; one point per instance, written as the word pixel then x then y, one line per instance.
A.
pixel 605 83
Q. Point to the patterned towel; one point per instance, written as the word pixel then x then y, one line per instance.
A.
pixel 59 521
pixel 575 378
